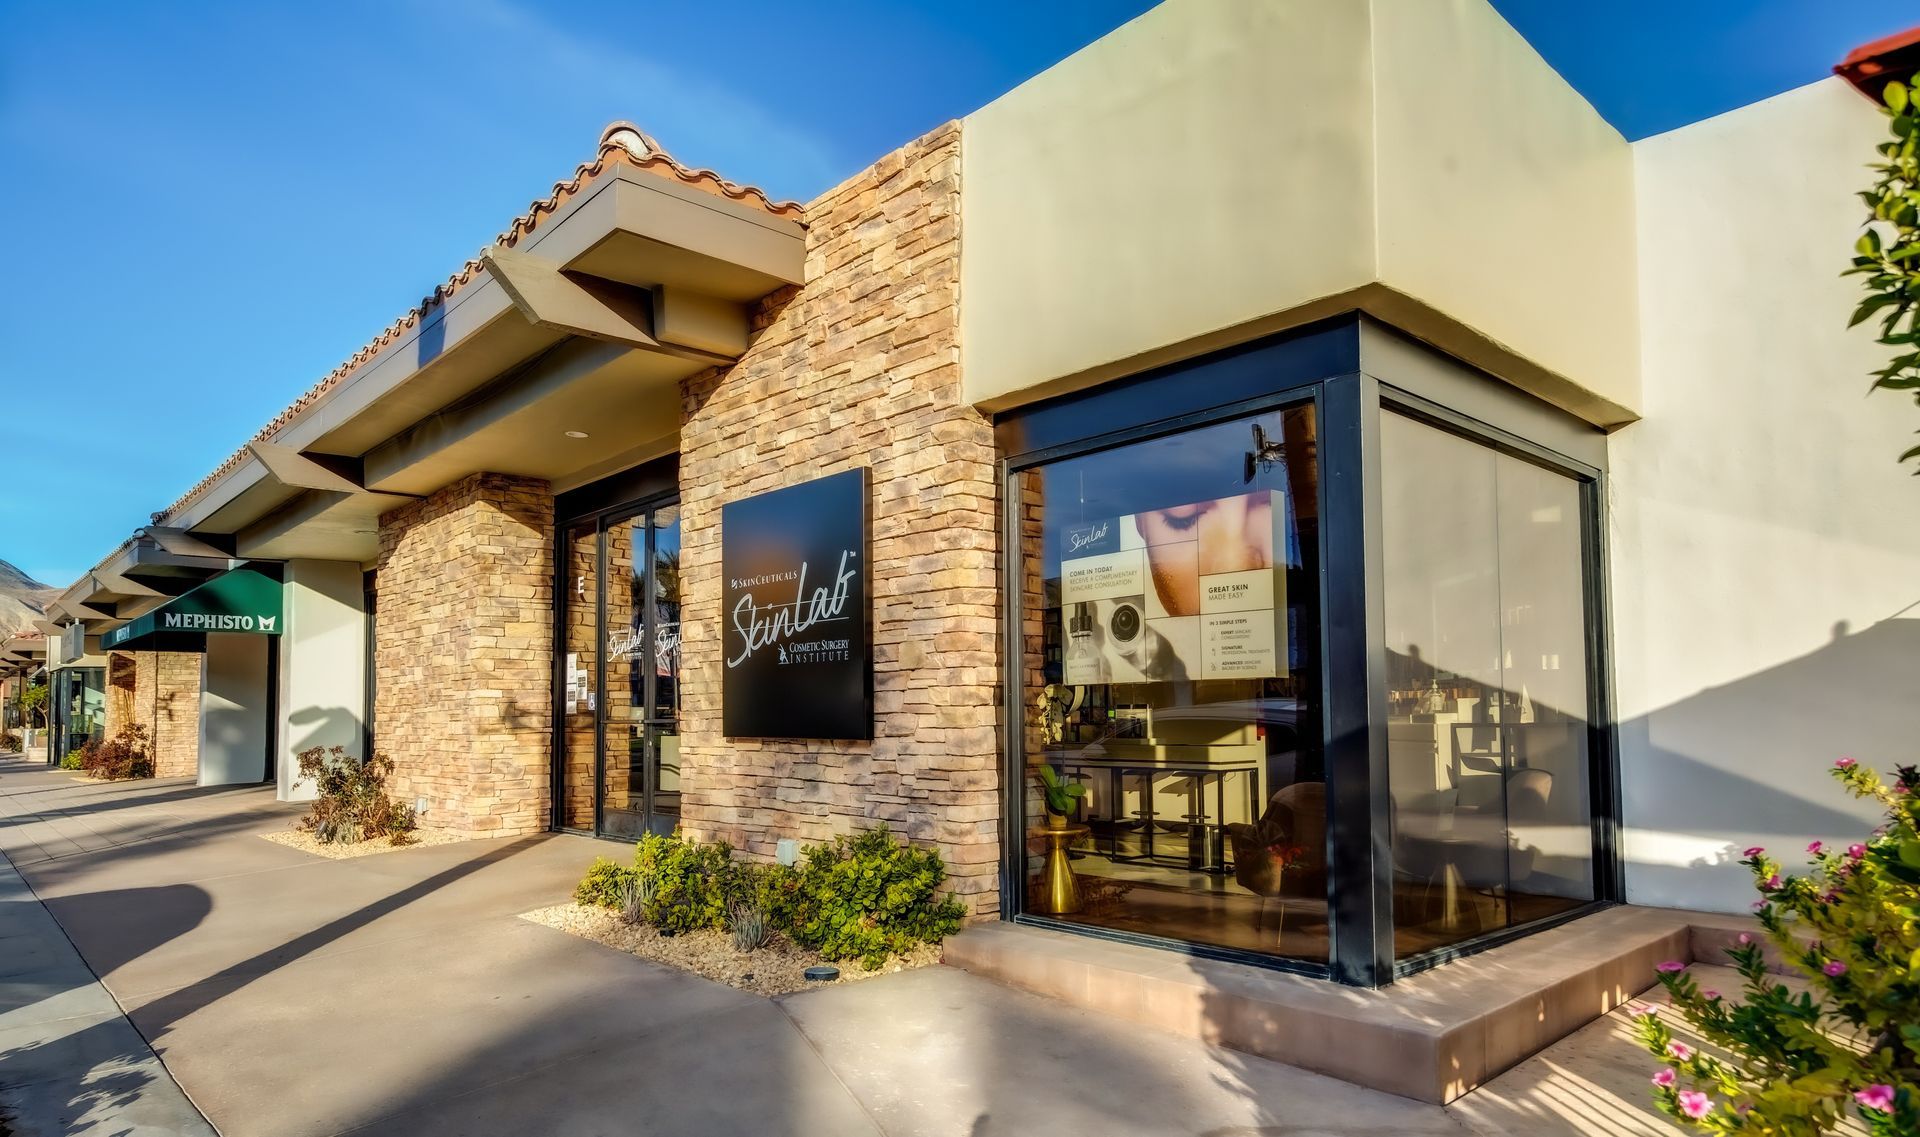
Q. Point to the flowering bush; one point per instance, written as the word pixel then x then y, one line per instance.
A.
pixel 125 755
pixel 351 802
pixel 1800 1064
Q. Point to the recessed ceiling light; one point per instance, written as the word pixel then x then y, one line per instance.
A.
pixel 576 434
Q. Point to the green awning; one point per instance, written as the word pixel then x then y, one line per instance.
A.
pixel 244 601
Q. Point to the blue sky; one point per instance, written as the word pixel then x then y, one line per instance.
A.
pixel 213 205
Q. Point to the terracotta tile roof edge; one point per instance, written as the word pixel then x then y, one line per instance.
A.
pixel 620 142
pixel 1870 65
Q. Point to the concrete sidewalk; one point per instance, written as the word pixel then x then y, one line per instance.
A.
pixel 70 1062
pixel 400 994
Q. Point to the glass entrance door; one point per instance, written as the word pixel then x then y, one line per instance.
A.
pixel 620 753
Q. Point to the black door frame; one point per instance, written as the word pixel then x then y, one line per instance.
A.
pixel 638 492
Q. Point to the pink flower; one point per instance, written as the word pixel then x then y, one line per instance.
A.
pixel 1844 764
pixel 1695 1104
pixel 1680 1051
pixel 1710 994
pixel 1746 939
pixel 1757 906
pixel 1773 883
pixel 1664 1078
pixel 1835 969
pixel 1816 847
pixel 1669 967
pixel 1877 1096
pixel 1755 850
pixel 1856 851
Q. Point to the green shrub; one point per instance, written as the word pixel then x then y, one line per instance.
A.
pixel 863 897
pixel 352 804
pixel 74 760
pixel 605 884
pixel 691 882
pixel 868 896
pixel 1850 1045
pixel 770 888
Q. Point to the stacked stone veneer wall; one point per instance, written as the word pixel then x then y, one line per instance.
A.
pixel 463 654
pixel 860 367
pixel 166 697
pixel 159 690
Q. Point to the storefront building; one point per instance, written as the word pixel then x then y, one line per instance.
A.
pixel 1304 427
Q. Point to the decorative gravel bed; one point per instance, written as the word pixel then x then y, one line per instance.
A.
pixel 772 970
pixel 307 843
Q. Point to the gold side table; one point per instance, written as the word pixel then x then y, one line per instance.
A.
pixel 1062 893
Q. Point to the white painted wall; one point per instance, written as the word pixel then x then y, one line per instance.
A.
pixel 323 672
pixel 1505 200
pixel 1213 171
pixel 1765 546
pixel 235 729
pixel 1202 166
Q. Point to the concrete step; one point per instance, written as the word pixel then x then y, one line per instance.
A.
pixel 1431 1037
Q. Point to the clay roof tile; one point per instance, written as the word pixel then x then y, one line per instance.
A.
pixel 621 143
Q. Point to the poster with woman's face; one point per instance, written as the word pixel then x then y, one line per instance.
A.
pixel 1187 592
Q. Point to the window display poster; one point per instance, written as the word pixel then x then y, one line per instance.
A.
pixel 1189 592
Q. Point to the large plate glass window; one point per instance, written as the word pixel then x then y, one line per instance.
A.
pixel 1170 635
pixel 1488 692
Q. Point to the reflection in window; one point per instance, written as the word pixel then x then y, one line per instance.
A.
pixel 1488 691
pixel 1171 639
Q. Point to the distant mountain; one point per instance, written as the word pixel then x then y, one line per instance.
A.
pixel 22 599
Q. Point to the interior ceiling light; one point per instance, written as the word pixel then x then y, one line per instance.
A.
pixel 576 434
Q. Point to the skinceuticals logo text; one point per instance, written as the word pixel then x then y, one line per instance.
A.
pixel 1081 538
pixel 759 625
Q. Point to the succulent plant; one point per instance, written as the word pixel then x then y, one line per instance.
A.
pixel 750 925
pixel 635 895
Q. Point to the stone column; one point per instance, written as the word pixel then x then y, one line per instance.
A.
pixel 463 648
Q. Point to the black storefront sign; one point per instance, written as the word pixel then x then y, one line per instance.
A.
pixel 796 602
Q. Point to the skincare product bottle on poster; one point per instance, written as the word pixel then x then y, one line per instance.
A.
pixel 1085 663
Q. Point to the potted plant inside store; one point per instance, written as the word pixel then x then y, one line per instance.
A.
pixel 1060 795
pixel 1062 891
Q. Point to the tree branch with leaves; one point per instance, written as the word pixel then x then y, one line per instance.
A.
pixel 1887 254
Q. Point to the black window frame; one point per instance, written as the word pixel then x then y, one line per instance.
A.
pixel 1321 364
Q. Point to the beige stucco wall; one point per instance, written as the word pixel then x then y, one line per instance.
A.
pixel 1765 550
pixel 1201 167
pixel 1505 203
pixel 1212 171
